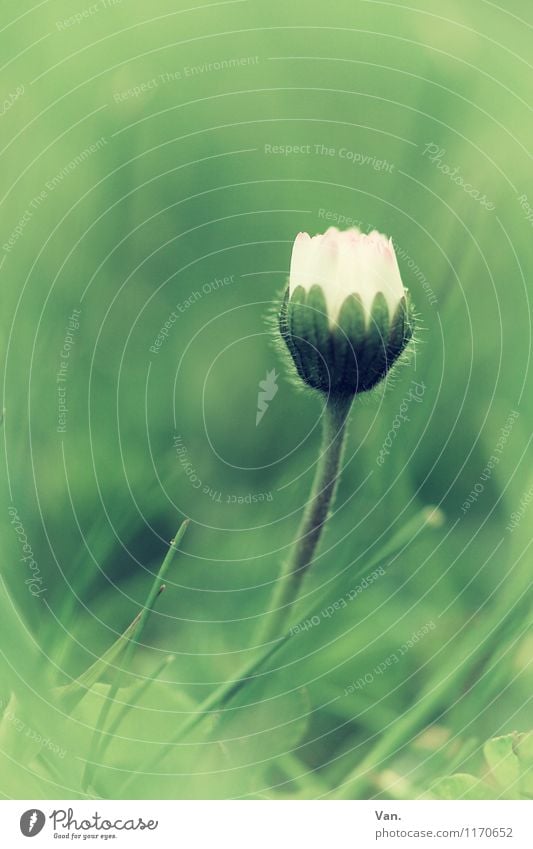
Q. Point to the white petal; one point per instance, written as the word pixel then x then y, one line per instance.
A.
pixel 344 263
pixel 299 261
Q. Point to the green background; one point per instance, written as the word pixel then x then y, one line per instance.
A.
pixel 181 192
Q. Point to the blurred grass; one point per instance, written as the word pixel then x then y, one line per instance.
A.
pixel 181 194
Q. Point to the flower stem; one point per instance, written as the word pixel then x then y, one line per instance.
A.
pixel 313 520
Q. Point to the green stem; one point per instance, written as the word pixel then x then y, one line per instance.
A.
pixel 135 698
pixel 313 520
pixel 215 702
pixel 119 676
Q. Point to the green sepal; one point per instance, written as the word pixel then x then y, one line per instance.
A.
pixel 401 330
pixel 286 335
pixel 307 336
pixel 374 363
pixel 318 314
pixel 356 352
pixel 349 340
pixel 303 334
pixel 286 324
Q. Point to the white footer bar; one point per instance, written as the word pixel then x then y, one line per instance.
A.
pixel 267 824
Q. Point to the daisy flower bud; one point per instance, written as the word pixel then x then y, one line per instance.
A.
pixel 345 317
